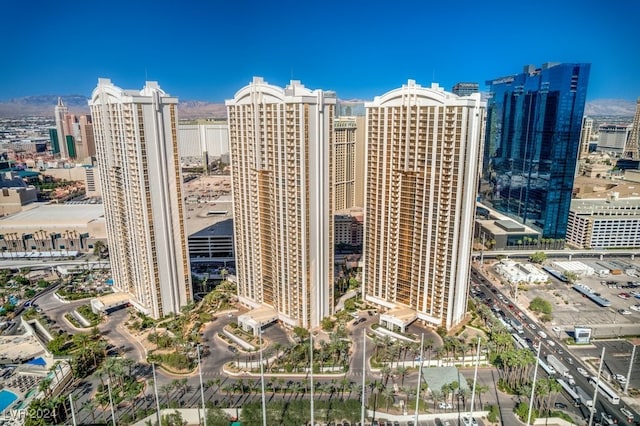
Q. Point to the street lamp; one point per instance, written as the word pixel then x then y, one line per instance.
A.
pixel 633 355
pixel 264 406
pixel 155 390
pixel 311 376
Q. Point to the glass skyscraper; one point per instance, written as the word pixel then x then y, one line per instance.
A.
pixel 532 143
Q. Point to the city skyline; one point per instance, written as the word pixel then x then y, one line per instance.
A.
pixel 354 50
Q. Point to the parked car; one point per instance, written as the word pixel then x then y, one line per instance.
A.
pixel 469 421
pixel 635 308
pixel 624 312
pixel 445 406
pixel 560 405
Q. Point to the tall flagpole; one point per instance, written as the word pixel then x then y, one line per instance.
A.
pixel 419 376
pixel 364 373
pixel 311 376
pixel 475 377
pixel 533 385
pixel 204 412
pixel 155 391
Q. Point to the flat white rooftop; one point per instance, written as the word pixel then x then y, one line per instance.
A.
pixel 54 215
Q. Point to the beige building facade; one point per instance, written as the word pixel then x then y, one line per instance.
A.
pixel 423 146
pixel 52 228
pixel 281 142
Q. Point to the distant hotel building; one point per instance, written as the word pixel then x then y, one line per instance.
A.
pixel 72 136
pixel 204 141
pixel 604 224
pixel 282 164
pixel 632 148
pixel 585 137
pixel 345 163
pixel 423 146
pixel 137 155
pixel 58 139
pixel 465 89
pixel 533 127
pixel 613 138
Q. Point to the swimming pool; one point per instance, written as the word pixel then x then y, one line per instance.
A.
pixel 6 399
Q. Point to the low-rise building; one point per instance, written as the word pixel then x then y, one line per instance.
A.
pixel 515 272
pixel 52 228
pixel 15 193
pixel 498 231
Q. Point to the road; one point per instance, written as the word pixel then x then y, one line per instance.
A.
pixel 509 311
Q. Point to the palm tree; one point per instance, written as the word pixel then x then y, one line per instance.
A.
pixel 401 371
pixel 437 396
pixel 386 372
pixel 166 390
pixel 446 391
pixel 90 405
pixel 45 386
pixel 388 395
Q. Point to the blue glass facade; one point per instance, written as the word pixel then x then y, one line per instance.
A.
pixel 532 142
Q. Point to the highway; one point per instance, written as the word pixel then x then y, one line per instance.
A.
pixel 493 297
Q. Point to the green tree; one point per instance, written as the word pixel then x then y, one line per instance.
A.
pixel 538 257
pixel 217 417
pixel 522 411
pixel 301 333
pixel 327 324
pixel 571 276
pixel 540 305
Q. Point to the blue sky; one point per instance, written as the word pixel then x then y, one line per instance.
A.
pixel 207 50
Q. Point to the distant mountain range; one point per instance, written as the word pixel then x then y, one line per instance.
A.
pixel 43 106
pixel 610 107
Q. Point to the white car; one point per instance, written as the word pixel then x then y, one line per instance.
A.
pixel 624 312
pixel 556 329
pixel 445 406
pixel 551 343
pixel 532 326
pixel 583 372
pixel 469 421
pixel 635 308
pixel 627 413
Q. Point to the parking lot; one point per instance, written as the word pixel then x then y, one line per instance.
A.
pixel 570 308
pixel 616 359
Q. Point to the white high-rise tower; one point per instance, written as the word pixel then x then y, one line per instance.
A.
pixel 423 147
pixel 137 154
pixel 60 112
pixel 281 144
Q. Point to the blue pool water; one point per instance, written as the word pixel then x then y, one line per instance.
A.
pixel 6 399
